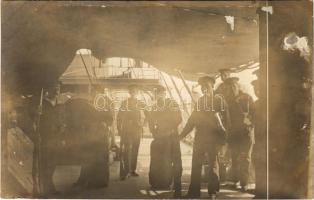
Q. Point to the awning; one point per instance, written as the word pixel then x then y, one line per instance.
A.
pixel 39 39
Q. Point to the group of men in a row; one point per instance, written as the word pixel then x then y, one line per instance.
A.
pixel 222 116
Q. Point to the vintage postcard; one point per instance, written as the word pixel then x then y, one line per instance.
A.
pixel 156 99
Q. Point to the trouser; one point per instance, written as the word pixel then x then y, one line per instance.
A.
pixel 129 151
pixel 46 172
pixel 46 168
pixel 223 159
pixel 200 150
pixel 95 173
pixel 165 163
pixel 176 162
pixel 241 147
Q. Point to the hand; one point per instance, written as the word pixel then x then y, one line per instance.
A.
pixel 247 121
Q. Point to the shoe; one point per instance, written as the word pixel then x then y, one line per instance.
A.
pixel 212 196
pixel 237 185
pixel 134 174
pixel 244 188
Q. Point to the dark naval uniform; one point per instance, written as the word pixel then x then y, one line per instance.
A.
pixel 89 130
pixel 208 139
pixel 130 121
pixel 50 128
pixel 241 138
pixel 164 120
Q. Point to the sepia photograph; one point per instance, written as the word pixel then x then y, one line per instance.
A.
pixel 157 99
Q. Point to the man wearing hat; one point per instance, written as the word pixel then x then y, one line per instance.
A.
pixel 209 118
pixel 224 75
pixel 130 120
pixel 49 129
pixel 241 138
pixel 166 163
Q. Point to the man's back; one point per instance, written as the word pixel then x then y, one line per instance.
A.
pixel 241 110
pixel 204 118
pixel 51 119
pixel 166 116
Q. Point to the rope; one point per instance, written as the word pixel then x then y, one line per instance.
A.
pixel 89 77
pixel 181 99
pixel 169 91
pixel 186 85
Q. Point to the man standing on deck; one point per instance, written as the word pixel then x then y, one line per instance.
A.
pixel 241 138
pixel 210 134
pixel 50 127
pixel 130 121
pixel 166 163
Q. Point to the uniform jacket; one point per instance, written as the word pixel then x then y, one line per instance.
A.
pixel 205 122
pixel 131 115
pixel 52 120
pixel 164 118
pixel 241 110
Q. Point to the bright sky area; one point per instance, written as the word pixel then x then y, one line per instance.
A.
pixel 245 76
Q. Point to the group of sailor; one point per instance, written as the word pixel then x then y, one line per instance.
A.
pixel 221 118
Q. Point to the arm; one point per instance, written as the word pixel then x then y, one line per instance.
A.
pixel 219 121
pixel 222 113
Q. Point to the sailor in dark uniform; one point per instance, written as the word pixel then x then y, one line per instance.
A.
pixel 208 119
pixel 241 138
pixel 50 127
pixel 130 121
pixel 166 163
pixel 93 122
